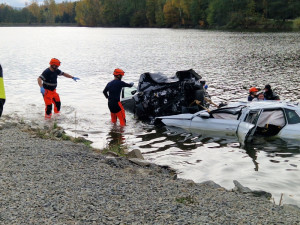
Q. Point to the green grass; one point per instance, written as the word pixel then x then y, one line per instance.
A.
pixel 41 134
pixel 117 148
pixel 82 140
pixel 55 125
pixel 296 24
pixel 65 137
pixel 188 200
pixel 48 134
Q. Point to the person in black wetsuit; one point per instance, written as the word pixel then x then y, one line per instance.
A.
pixel 269 94
pixel 112 92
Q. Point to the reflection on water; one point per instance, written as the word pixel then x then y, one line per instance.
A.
pixel 259 164
pixel 229 62
pixel 115 136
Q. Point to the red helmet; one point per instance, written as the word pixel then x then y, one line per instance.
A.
pixel 55 62
pixel 253 89
pixel 118 72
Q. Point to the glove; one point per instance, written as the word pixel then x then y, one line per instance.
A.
pixel 131 84
pixel 75 78
pixel 42 90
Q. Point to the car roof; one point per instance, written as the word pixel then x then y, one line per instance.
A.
pixel 266 105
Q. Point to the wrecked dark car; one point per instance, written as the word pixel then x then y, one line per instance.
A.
pixel 160 95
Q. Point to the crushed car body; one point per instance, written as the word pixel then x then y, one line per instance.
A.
pixel 160 95
pixel 243 119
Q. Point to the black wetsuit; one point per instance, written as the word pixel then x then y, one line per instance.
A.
pixel 270 95
pixel 112 92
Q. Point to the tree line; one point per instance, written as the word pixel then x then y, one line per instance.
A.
pixel 230 14
pixel 33 13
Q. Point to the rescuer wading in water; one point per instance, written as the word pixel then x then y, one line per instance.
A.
pixel 112 92
pixel 48 83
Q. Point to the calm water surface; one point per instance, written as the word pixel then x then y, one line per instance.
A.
pixel 229 62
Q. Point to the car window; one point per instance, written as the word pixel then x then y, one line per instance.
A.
pixel 292 116
pixel 271 117
pixel 229 113
pixel 225 116
pixel 252 117
pixel 128 92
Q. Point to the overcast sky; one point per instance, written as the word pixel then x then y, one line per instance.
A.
pixel 21 3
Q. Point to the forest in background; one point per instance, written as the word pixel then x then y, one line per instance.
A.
pixel 225 14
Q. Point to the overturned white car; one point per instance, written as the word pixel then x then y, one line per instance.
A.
pixel 243 119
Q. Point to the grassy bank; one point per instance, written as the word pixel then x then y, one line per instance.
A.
pixel 54 132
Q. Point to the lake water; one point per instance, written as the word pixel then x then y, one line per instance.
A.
pixel 229 62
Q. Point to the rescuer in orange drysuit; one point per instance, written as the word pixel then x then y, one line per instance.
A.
pixel 48 82
pixel 112 92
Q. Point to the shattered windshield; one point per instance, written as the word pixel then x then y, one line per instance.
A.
pixel 232 113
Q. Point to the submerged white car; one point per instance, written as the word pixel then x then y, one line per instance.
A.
pixel 243 119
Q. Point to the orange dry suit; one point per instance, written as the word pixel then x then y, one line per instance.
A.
pixel 51 97
pixel 112 92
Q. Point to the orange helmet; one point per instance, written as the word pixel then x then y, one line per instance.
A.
pixel 253 89
pixel 55 62
pixel 118 72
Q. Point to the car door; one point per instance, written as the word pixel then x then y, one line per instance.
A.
pixel 127 98
pixel 226 126
pixel 247 127
pixel 292 128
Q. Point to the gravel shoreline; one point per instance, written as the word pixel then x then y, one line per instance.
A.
pixel 47 181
